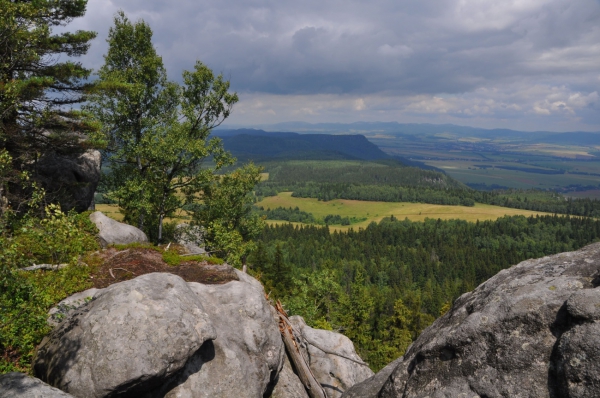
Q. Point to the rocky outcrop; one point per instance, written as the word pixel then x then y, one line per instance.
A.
pixel 128 340
pixel 532 330
pixel 20 385
pixel 332 358
pixel 159 336
pixel 248 353
pixel 71 180
pixel 112 232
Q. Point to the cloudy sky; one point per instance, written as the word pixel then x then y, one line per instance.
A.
pixel 521 64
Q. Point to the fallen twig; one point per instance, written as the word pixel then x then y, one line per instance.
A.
pixel 312 342
pixel 52 267
pixel 122 269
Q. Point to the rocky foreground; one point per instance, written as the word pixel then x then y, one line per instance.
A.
pixel 530 331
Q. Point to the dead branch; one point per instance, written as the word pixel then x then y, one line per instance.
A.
pixel 52 267
pixel 305 374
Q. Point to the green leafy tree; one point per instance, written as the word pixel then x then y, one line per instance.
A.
pixel 160 153
pixel 37 91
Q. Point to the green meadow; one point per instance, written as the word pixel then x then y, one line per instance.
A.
pixel 375 211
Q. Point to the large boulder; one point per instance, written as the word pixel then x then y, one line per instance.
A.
pixel 530 331
pixel 20 385
pixel 247 355
pixel 331 357
pixel 72 180
pixel 112 232
pixel 129 340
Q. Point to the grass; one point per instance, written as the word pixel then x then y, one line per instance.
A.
pixel 114 212
pixel 375 211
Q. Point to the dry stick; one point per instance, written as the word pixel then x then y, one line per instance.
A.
pixel 53 267
pixel 122 269
pixel 126 270
pixel 326 351
pixel 305 375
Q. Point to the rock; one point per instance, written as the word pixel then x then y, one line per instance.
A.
pixel 68 306
pixel 288 384
pixel 128 340
pixel 191 237
pixel 335 373
pixel 247 355
pixel 529 331
pixel 371 387
pixel 20 385
pixel 113 232
pixel 72 180
pixel 578 362
pixel 585 305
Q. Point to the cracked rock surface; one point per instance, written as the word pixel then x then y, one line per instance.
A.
pixel 247 355
pixel 128 340
pixel 530 331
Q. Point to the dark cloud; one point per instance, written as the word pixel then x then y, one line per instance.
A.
pixel 530 58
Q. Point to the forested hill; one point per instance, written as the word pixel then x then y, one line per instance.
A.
pixel 259 145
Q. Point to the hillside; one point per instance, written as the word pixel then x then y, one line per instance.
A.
pixel 259 145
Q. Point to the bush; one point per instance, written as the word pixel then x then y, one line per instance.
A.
pixel 25 297
pixel 57 238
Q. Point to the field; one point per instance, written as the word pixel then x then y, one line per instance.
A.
pixel 504 162
pixel 375 211
pixel 113 212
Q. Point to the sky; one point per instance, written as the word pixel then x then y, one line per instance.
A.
pixel 518 64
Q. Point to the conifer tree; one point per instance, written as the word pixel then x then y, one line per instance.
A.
pixel 37 89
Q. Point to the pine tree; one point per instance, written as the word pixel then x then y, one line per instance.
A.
pixel 37 91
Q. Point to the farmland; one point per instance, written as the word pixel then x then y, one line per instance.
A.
pixel 375 211
pixel 523 162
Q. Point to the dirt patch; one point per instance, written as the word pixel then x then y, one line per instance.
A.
pixel 117 266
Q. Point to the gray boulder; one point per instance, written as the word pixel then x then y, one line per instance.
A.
pixel 336 373
pixel 112 232
pixel 128 340
pixel 288 384
pixel 72 180
pixel 191 237
pixel 247 355
pixel 13 385
pixel 530 331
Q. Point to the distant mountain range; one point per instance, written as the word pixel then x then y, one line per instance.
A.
pixel 394 128
pixel 261 146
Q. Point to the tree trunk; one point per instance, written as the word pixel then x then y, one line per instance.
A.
pixel 160 228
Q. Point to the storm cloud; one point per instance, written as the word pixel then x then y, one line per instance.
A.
pixel 528 64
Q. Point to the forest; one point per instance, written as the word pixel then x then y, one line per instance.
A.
pixel 382 285
pixel 390 181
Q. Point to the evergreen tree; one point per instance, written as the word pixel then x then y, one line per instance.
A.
pixel 37 91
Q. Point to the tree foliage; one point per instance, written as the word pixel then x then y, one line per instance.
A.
pixel 160 153
pixel 37 90
pixel 382 285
